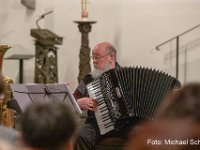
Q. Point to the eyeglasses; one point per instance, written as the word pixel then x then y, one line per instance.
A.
pixel 98 58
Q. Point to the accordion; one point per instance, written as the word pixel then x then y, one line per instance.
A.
pixel 128 92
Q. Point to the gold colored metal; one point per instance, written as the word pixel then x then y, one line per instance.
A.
pixel 7 90
pixel 8 118
pixel 6 115
pixel 3 49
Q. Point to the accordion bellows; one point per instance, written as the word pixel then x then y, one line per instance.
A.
pixel 129 92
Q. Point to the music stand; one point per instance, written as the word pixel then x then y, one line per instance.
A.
pixel 25 94
pixel 21 58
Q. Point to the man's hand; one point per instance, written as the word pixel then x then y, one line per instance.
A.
pixel 87 103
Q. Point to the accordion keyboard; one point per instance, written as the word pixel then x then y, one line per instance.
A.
pixel 129 92
pixel 102 113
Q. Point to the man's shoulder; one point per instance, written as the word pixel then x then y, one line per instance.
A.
pixel 88 78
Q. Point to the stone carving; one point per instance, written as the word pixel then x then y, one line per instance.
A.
pixel 46 70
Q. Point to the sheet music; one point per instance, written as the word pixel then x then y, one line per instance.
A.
pixel 22 97
pixel 25 94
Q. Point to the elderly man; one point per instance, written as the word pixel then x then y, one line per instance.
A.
pixel 104 59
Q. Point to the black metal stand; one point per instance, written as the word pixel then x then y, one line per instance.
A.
pixel 21 59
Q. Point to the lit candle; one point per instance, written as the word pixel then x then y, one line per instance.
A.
pixel 84 13
pixel 82 6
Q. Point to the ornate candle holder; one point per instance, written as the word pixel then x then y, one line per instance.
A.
pixel 84 65
pixel 85 26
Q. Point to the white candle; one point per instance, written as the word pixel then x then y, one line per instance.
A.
pixel 84 13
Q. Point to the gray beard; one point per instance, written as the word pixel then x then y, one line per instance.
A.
pixel 97 72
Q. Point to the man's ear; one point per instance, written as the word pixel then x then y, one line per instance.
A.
pixel 113 58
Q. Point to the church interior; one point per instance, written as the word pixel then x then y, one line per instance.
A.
pixel 51 41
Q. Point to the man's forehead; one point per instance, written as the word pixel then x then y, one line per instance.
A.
pixel 98 50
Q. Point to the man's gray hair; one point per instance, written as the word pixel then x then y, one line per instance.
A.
pixel 111 50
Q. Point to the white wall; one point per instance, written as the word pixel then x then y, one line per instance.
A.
pixel 135 27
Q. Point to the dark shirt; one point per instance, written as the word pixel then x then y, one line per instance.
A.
pixel 123 126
